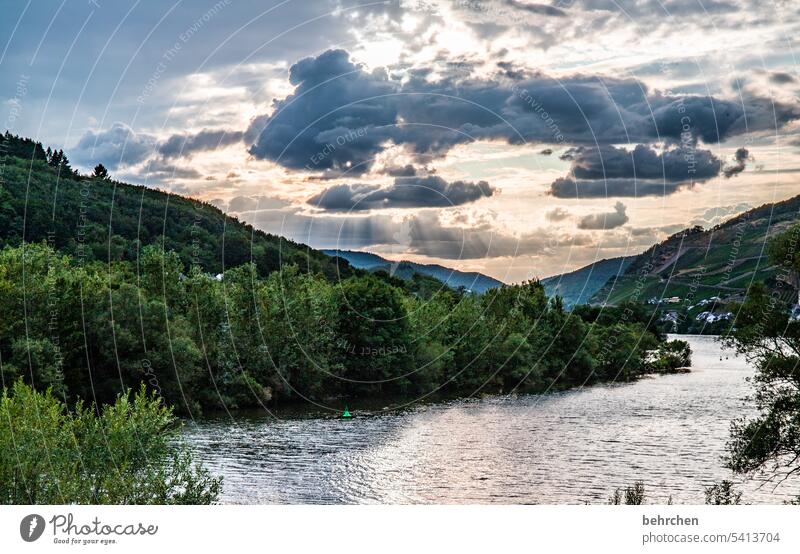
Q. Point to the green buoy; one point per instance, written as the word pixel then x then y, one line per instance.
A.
pixel 346 413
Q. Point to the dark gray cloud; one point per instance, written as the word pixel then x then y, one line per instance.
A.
pixel 546 152
pixel 534 8
pixel 341 115
pixel 187 144
pixel 643 162
pixel 740 159
pixel 608 171
pixel 567 187
pixel 116 147
pixel 660 8
pixel 605 221
pixel 159 170
pixel 407 170
pixel 782 78
pixel 405 192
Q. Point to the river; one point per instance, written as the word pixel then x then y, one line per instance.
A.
pixel 569 447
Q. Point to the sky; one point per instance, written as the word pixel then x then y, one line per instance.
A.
pixel 517 138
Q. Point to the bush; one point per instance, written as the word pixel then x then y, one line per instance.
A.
pixel 671 357
pixel 124 453
pixel 722 494
pixel 630 495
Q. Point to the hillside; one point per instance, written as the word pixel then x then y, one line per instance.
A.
pixel 577 287
pixel 471 281
pixel 696 264
pixel 100 219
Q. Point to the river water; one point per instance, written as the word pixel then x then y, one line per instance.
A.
pixel 570 447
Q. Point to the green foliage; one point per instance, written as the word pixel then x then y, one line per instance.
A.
pixel 201 342
pixel 722 493
pixel 698 265
pixel 100 172
pixel 670 356
pixel 124 453
pixel 770 441
pixel 633 495
pixel 105 220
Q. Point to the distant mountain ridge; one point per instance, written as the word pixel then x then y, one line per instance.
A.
pixel 579 286
pixel 469 280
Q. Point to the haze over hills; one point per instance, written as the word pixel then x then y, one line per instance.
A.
pixel 471 281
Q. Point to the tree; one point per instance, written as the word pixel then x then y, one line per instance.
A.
pixel 100 172
pixel 125 453
pixel 723 493
pixel 373 327
pixel 784 252
pixel 769 442
pixel 633 495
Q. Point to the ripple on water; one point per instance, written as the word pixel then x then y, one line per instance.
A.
pixel 569 447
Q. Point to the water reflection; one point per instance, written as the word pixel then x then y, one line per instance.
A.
pixel 570 447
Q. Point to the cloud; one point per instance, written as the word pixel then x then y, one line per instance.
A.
pixel 740 159
pixel 546 152
pixel 422 233
pixel 567 187
pixel 239 204
pixel 405 192
pixel 717 214
pixel 188 144
pixel 341 115
pixel 116 147
pixel 782 78
pixel 608 171
pixel 604 221
pixel 407 170
pixel 158 171
pixel 557 214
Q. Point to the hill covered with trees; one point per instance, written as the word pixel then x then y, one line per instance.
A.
pixel 95 218
pixel 700 264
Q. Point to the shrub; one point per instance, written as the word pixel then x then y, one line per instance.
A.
pixel 124 453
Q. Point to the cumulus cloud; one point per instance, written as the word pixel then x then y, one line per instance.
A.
pixel 159 170
pixel 608 171
pixel 207 139
pixel 604 221
pixel 340 115
pixel 782 78
pixel 407 170
pixel 712 216
pixel 405 192
pixel 557 214
pixel 116 147
pixel 740 159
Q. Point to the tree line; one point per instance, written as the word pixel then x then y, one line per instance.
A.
pixel 203 341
